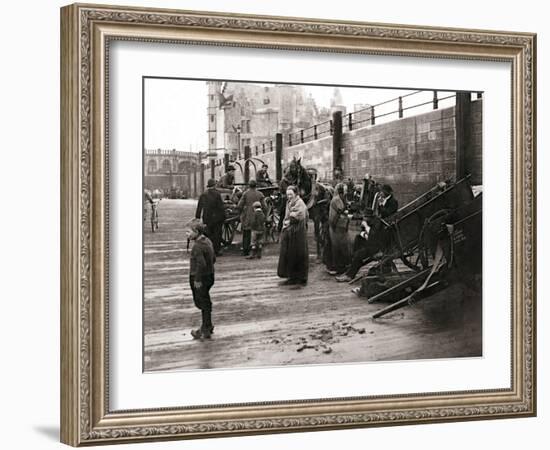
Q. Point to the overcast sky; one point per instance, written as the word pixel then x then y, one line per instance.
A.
pixel 175 110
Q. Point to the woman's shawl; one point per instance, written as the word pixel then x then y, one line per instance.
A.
pixel 337 207
pixel 297 210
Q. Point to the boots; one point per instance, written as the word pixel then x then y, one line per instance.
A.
pixel 253 252
pixel 259 252
pixel 207 329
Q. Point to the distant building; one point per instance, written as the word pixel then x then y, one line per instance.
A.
pixel 246 114
pixel 336 102
pixel 171 171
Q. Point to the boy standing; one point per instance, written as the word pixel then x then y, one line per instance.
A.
pixel 201 276
pixel 257 227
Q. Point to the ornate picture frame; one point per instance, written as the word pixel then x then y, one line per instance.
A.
pixel 86 33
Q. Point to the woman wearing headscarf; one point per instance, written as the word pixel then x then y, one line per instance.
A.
pixel 338 229
pixel 293 257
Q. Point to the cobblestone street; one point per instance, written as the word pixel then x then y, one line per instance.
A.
pixel 260 323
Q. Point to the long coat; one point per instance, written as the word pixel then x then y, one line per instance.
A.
pixel 294 254
pixel 246 206
pixel 388 208
pixel 211 207
pixel 341 255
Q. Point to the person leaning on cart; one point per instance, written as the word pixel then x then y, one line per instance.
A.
pixel 246 207
pixel 386 204
pixel 211 208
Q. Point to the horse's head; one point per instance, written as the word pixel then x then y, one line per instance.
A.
pixel 294 168
pixel 303 179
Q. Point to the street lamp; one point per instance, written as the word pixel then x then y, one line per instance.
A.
pixel 239 141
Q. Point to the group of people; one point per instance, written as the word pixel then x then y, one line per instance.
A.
pixel 341 259
pixel 206 228
pixel 227 181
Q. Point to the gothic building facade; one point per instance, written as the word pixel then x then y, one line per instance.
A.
pixel 247 114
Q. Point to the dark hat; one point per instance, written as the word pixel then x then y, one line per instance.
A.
pixel 369 212
pixel 211 183
pixel 230 167
pixel 387 189
pixel 252 183
pixel 265 165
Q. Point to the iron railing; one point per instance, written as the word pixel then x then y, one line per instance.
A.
pixel 367 116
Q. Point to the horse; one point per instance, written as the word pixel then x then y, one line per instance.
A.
pixel 314 194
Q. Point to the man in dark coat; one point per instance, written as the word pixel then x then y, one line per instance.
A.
pixel 246 207
pixel 262 177
pixel 372 239
pixel 228 180
pixel 211 208
pixel 389 204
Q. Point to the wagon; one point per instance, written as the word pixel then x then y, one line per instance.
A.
pixel 232 214
pixel 438 236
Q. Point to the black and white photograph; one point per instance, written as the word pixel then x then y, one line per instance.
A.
pixel 296 224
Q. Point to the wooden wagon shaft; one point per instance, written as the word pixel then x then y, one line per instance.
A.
pixel 412 298
pixel 399 287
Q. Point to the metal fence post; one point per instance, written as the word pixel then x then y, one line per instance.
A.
pixel 350 121
pixel 337 140
pixel 400 107
pixel 436 101
pixel 278 156
pixel 372 116
pixel 247 154
pixel 462 124
pixel 315 132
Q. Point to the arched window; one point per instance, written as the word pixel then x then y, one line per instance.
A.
pixel 166 166
pixel 151 166
pixel 182 167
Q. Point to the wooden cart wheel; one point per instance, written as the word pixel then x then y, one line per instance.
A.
pixel 423 246
pixel 228 232
pixel 272 216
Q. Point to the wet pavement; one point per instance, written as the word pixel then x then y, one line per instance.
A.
pixel 260 323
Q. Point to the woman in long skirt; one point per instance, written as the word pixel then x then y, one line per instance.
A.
pixel 338 230
pixel 293 256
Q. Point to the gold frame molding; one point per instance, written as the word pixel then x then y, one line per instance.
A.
pixel 86 31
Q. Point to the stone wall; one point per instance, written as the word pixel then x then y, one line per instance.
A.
pixel 410 154
pixel 414 153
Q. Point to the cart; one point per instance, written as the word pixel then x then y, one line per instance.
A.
pixel 233 216
pixel 437 236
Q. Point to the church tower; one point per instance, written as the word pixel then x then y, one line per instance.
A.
pixel 211 111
